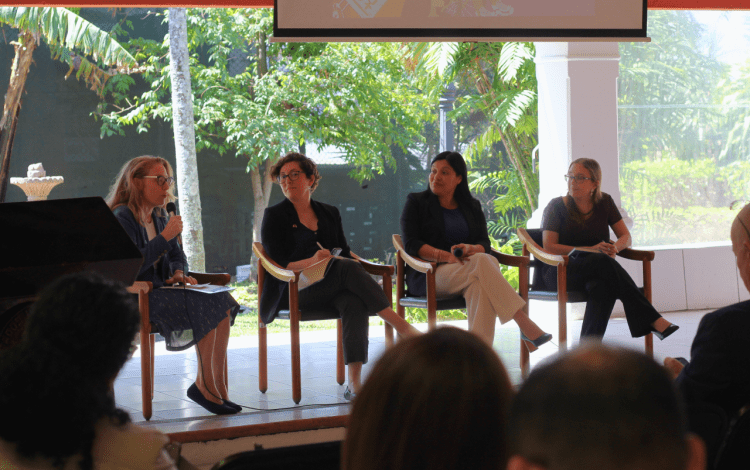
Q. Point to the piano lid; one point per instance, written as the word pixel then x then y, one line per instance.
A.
pixel 43 240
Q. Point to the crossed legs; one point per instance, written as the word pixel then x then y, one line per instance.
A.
pixel 488 296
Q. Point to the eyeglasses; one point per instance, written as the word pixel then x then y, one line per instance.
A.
pixel 579 178
pixel 160 180
pixel 292 176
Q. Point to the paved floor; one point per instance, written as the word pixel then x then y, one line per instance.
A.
pixel 321 395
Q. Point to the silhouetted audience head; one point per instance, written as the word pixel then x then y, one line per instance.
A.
pixel 600 407
pixel 55 384
pixel 740 234
pixel 437 401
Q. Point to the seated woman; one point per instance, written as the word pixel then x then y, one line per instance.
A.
pixel 184 317
pixel 293 233
pixel 582 219
pixel 58 409
pixel 438 401
pixel 445 217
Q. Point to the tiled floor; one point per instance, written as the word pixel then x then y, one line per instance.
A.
pixel 321 395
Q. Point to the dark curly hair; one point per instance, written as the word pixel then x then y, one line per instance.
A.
pixel 54 385
pixel 305 163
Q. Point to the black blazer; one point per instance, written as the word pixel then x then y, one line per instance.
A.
pixel 277 235
pixel 161 258
pixel 422 223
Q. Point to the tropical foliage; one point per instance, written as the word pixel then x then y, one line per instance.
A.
pixel 73 40
pixel 258 99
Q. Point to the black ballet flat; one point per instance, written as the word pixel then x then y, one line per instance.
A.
pixel 194 394
pixel 667 331
pixel 232 404
pixel 543 338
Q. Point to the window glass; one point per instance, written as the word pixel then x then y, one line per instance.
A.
pixel 684 126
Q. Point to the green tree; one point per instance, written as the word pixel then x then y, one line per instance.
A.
pixel 74 41
pixel 259 99
pixel 666 89
pixel 503 79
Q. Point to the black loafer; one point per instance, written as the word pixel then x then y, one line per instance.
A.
pixel 667 331
pixel 232 404
pixel 194 394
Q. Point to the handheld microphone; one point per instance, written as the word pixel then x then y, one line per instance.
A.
pixel 458 252
pixel 172 211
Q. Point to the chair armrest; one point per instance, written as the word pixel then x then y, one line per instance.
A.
pixel 286 275
pixel 374 268
pixel 510 260
pixel 217 279
pixel 140 287
pixel 538 252
pixel 417 263
pixel 637 255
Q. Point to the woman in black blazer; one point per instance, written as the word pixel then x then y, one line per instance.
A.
pixel 443 218
pixel 299 232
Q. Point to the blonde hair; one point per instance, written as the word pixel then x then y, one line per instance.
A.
pixel 596 176
pixel 124 191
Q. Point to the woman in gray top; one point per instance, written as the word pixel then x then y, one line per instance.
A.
pixel 581 220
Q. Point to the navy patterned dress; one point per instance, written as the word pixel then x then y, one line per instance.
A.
pixel 183 317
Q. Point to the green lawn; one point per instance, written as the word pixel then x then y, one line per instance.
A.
pixel 246 294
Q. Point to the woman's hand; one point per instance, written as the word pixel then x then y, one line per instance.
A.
pixel 173 228
pixel 606 248
pixel 179 276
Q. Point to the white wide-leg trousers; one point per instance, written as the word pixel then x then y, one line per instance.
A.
pixel 488 295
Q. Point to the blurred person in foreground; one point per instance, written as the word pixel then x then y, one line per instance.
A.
pixel 599 407
pixel 435 402
pixel 719 369
pixel 57 409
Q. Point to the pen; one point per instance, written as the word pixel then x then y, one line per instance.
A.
pixel 321 246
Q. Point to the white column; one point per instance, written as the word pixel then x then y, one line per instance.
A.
pixel 577 85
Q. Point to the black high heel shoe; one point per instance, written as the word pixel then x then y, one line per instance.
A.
pixel 543 338
pixel 194 394
pixel 667 331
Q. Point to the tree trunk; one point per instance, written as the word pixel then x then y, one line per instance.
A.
pixel 19 71
pixel 184 138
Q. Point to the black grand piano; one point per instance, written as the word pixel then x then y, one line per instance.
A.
pixel 43 240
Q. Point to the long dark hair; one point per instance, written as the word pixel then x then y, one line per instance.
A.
pixel 54 385
pixel 456 161
pixel 436 401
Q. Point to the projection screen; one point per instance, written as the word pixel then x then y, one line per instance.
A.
pixel 486 20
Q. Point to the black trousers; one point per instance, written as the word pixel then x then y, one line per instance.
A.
pixel 350 290
pixel 605 281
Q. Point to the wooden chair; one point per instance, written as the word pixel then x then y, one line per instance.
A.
pixel 532 241
pixel 432 303
pixel 148 330
pixel 267 266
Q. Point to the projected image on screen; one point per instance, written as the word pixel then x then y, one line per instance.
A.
pixel 483 18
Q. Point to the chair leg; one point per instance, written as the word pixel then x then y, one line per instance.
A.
pixel 153 357
pixel 262 357
pixel 388 335
pixel 649 339
pixel 146 373
pixel 294 317
pixel 524 360
pixel 340 375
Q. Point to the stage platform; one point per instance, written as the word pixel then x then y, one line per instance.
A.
pixel 323 405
